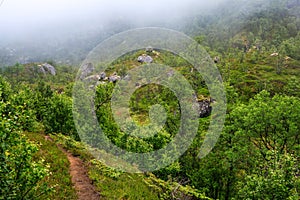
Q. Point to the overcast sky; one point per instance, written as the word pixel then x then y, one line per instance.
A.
pixel 55 24
pixel 16 15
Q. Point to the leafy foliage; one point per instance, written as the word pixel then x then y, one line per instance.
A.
pixel 256 157
pixel 20 176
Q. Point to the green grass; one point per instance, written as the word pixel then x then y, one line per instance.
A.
pixel 124 186
pixel 110 183
pixel 113 184
pixel 60 178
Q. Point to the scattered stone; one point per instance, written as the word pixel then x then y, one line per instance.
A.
pixel 149 49
pixel 114 78
pixel 274 54
pixel 93 78
pixel 216 59
pixel 205 108
pixel 137 85
pixel 102 75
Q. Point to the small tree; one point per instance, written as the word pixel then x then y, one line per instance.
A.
pixel 276 179
pixel 20 175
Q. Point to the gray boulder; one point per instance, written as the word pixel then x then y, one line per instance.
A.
pixel 148 59
pixel 114 78
pixel 205 108
pixel 149 49
pixel 102 75
pixel 47 68
pixel 41 69
pixel 140 59
pixel 145 59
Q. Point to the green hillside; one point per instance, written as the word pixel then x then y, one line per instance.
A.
pixel 256 156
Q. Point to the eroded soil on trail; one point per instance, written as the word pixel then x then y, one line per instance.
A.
pixel 84 188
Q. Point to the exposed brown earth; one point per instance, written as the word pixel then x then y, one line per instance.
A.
pixel 84 188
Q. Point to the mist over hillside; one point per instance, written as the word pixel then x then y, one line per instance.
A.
pixel 139 121
pixel 65 31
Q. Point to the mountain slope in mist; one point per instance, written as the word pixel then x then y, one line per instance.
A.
pixel 66 32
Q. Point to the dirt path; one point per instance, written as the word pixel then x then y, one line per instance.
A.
pixel 84 188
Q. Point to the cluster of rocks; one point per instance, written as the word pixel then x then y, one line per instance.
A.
pixel 145 59
pixel 102 77
pixel 113 78
pixel 89 69
pixel 47 69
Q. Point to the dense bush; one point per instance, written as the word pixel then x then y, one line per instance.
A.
pixel 20 175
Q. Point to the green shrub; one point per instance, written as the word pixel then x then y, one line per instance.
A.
pixel 20 176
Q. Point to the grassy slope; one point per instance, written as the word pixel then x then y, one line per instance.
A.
pixel 253 75
pixel 60 178
pixel 113 184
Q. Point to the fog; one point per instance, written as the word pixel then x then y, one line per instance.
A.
pixel 32 15
pixel 46 29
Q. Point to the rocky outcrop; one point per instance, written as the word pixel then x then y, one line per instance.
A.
pixel 47 69
pixel 101 78
pixel 145 59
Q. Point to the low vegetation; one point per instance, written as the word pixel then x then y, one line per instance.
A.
pixel 256 156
